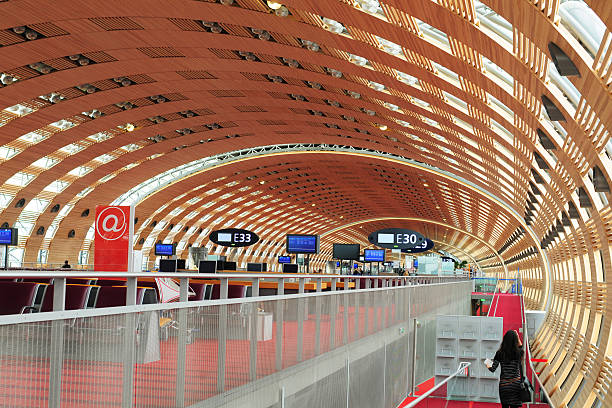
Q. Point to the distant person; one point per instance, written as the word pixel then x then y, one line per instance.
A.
pixel 510 356
pixel 66 264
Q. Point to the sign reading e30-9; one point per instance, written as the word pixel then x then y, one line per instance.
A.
pixel 396 238
pixel 233 237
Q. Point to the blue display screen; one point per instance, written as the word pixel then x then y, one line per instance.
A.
pixel 6 236
pixel 284 259
pixel 374 255
pixel 302 244
pixel 355 266
pixel 164 249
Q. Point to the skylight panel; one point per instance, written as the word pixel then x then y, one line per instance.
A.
pixel 357 60
pixel 32 137
pixel 80 171
pixel 447 74
pixel 390 47
pixel 421 103
pixel 408 79
pixel 19 109
pixel 45 162
pixel 107 177
pixel 433 34
pixel 131 147
pixel 20 179
pixel 105 158
pixel 497 72
pixel 57 186
pixel 8 152
pixel 493 21
pixel 62 124
pixel 36 205
pixel 72 148
pixel 377 86
pixel 370 7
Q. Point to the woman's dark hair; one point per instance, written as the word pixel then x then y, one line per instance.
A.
pixel 510 349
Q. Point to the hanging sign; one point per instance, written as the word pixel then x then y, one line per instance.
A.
pixel 233 237
pixel 422 247
pixel 396 238
pixel 114 233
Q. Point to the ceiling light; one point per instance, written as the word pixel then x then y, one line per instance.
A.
pixel 334 72
pixel 262 182
pixel 274 5
pixel 31 35
pixel 282 12
pixel 129 127
pixel 382 127
pixel 312 204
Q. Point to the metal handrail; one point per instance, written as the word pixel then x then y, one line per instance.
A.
pixel 493 299
pixel 462 366
pixel 58 273
pixel 526 342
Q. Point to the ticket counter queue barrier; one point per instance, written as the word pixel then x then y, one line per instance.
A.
pixel 337 347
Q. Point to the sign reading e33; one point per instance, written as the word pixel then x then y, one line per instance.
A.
pixel 233 237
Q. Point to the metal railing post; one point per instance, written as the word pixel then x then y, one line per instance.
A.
pixel 280 304
pixel 254 331
pixel 300 320
pixel 129 344
pixel 181 346
pixel 222 336
pixel 57 344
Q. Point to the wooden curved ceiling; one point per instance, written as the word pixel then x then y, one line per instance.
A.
pixel 451 90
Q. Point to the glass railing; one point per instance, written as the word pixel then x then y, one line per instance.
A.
pixel 338 348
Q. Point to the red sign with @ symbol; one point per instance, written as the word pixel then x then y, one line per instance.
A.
pixel 114 231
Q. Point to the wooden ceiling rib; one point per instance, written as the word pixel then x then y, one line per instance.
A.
pixel 201 79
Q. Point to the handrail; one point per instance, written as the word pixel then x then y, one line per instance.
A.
pixel 20 273
pixel 492 299
pixel 527 348
pixel 462 366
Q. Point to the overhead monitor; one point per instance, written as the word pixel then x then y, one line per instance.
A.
pixel 207 267
pixel 180 264
pixel 254 267
pixel 346 251
pixel 164 249
pixel 290 268
pixel 167 265
pixel 8 236
pixel 229 266
pixel 284 259
pixel 302 244
pixel 264 266
pixel 220 265
pixel 374 255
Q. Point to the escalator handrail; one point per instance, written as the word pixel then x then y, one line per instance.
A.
pixel 526 343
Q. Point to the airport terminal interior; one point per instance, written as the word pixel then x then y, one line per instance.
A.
pixel 304 203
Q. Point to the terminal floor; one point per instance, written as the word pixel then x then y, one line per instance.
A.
pixel 24 382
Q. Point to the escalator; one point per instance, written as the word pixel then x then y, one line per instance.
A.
pixel 506 301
